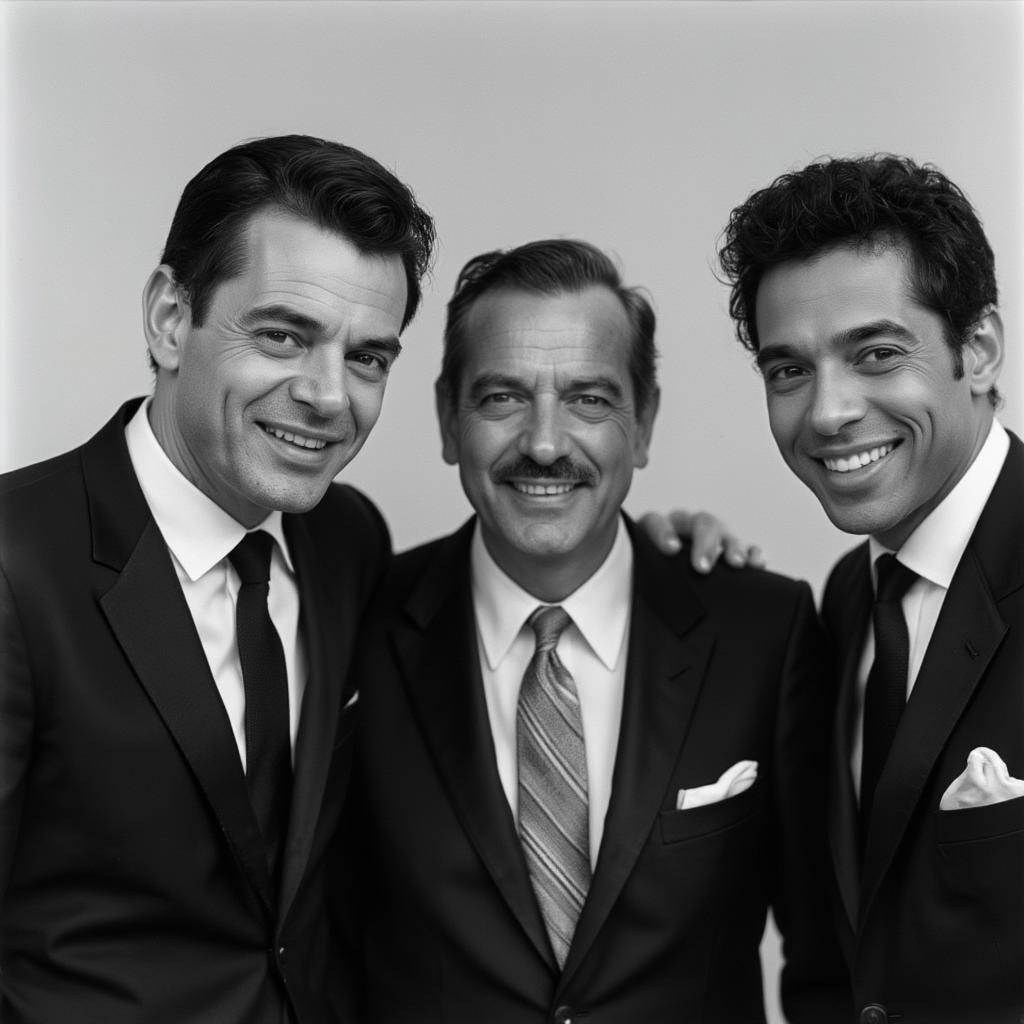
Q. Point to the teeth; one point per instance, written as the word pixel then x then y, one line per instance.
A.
pixel 858 460
pixel 296 439
pixel 543 488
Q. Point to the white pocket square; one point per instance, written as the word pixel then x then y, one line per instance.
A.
pixel 985 780
pixel 351 701
pixel 733 781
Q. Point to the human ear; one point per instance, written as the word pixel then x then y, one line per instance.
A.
pixel 645 429
pixel 983 353
pixel 165 317
pixel 447 418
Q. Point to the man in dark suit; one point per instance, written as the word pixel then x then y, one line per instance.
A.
pixel 167 788
pixel 584 771
pixel 867 290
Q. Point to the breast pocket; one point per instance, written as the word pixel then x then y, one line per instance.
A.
pixel 982 853
pixel 698 822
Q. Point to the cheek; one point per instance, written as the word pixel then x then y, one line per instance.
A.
pixel 480 444
pixel 365 407
pixel 780 421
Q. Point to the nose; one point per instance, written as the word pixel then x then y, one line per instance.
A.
pixel 320 381
pixel 837 401
pixel 544 437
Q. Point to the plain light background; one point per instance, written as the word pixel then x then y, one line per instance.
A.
pixel 636 126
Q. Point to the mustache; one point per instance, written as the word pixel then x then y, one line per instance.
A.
pixel 524 468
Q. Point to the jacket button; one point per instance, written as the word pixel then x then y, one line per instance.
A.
pixel 874 1014
pixel 563 1015
pixel 282 955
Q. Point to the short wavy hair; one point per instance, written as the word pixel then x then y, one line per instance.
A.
pixel 334 186
pixel 549 267
pixel 879 200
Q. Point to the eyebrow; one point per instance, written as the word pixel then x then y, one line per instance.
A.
pixel 851 336
pixel 598 383
pixel 486 381
pixel 282 314
pixel 504 382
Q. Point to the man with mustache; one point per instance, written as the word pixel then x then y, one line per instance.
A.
pixel 169 787
pixel 583 771
pixel 179 599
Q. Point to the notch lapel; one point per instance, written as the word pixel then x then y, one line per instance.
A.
pixel 664 671
pixel 967 634
pixel 440 664
pixel 969 622
pixel 148 614
pixel 321 700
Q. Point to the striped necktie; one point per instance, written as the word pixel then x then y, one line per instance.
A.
pixel 553 820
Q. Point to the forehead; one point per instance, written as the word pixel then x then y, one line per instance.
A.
pixel 293 260
pixel 838 291
pixel 510 329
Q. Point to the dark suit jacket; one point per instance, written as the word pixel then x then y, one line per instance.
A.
pixel 133 880
pixel 934 926
pixel 720 669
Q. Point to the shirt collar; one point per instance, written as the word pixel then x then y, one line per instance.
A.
pixel 935 548
pixel 197 530
pixel 599 607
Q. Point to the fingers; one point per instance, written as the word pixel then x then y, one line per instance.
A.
pixel 709 537
pixel 662 532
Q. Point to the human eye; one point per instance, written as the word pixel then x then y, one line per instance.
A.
pixel 590 406
pixel 499 403
pixel 879 356
pixel 371 365
pixel 783 374
pixel 277 338
pixel 497 399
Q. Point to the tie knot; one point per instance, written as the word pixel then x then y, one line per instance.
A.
pixel 894 578
pixel 547 622
pixel 251 557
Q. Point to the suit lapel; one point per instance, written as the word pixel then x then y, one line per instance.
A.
pixel 320 703
pixel 843 826
pixel 666 664
pixel 968 632
pixel 148 614
pixel 438 655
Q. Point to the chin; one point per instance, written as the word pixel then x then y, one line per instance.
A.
pixel 860 522
pixel 296 500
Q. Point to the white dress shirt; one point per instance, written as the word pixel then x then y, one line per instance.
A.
pixel 200 535
pixel 933 551
pixel 592 648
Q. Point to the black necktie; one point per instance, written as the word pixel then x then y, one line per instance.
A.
pixel 267 740
pixel 886 693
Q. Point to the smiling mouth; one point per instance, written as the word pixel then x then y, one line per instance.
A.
pixel 859 460
pixel 542 490
pixel 298 440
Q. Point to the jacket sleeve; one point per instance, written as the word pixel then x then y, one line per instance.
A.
pixel 814 986
pixel 15 729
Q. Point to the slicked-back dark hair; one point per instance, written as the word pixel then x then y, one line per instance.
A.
pixel 334 186
pixel 551 267
pixel 880 200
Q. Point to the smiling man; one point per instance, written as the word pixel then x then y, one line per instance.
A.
pixel 867 290
pixel 599 768
pixel 175 706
